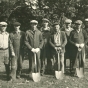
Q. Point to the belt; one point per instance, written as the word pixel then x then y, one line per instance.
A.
pixel 3 48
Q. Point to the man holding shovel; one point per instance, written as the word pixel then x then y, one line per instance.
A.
pixel 34 42
pixel 58 41
pixel 78 39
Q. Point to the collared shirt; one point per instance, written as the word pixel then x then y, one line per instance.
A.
pixel 4 38
pixel 57 38
pixel 17 31
pixel 68 29
pixel 78 30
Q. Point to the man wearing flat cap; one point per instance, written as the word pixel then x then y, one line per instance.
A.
pixel 58 41
pixel 34 43
pixel 5 45
pixel 45 51
pixel 67 29
pixel 86 29
pixel 78 39
pixel 17 39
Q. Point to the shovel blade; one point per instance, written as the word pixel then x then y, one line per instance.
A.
pixel 36 77
pixel 59 74
pixel 80 73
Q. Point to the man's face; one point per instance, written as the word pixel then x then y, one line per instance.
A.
pixel 16 27
pixel 33 25
pixel 68 25
pixel 78 26
pixel 57 28
pixel 3 28
pixel 45 23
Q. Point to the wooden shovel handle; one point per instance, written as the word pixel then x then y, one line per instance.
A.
pixel 35 57
pixel 58 62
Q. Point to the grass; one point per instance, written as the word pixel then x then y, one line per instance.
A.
pixel 47 81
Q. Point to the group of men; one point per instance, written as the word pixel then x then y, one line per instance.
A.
pixel 46 43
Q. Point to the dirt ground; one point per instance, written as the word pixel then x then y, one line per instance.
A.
pixel 47 81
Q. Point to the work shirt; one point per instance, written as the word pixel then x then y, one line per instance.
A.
pixel 57 39
pixel 4 38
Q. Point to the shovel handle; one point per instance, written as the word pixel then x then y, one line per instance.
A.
pixel 58 61
pixel 35 57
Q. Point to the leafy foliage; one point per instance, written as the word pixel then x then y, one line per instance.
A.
pixel 51 9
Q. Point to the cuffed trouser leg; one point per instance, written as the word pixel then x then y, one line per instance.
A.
pixel 13 68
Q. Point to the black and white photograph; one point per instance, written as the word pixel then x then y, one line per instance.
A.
pixel 43 43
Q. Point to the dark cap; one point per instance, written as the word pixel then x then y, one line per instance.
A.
pixel 56 23
pixel 16 24
pixel 79 22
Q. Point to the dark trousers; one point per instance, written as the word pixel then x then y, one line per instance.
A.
pixel 32 66
pixel 16 66
pixel 59 66
pixel 4 58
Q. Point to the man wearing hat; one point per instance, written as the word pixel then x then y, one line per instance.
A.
pixel 4 47
pixel 45 52
pixel 78 39
pixel 17 39
pixel 34 43
pixel 67 29
pixel 58 41
pixel 86 29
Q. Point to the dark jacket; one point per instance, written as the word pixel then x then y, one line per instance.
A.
pixel 17 41
pixel 63 41
pixel 33 39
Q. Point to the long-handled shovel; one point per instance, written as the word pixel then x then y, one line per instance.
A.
pixel 59 74
pixel 79 71
pixel 36 75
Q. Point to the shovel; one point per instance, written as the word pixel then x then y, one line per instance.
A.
pixel 59 74
pixel 36 75
pixel 80 71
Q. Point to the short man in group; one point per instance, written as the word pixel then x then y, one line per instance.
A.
pixel 17 39
pixel 45 51
pixel 4 47
pixel 78 39
pixel 67 29
pixel 58 41
pixel 34 43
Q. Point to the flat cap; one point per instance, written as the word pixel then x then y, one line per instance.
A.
pixel 3 23
pixel 46 20
pixel 78 22
pixel 86 19
pixel 34 21
pixel 16 24
pixel 68 21
pixel 56 23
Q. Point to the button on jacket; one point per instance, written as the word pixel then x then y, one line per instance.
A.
pixel 33 39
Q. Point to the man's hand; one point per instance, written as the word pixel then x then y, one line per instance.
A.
pixel 81 45
pixel 58 48
pixel 77 45
pixel 33 50
pixel 13 54
pixel 37 50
